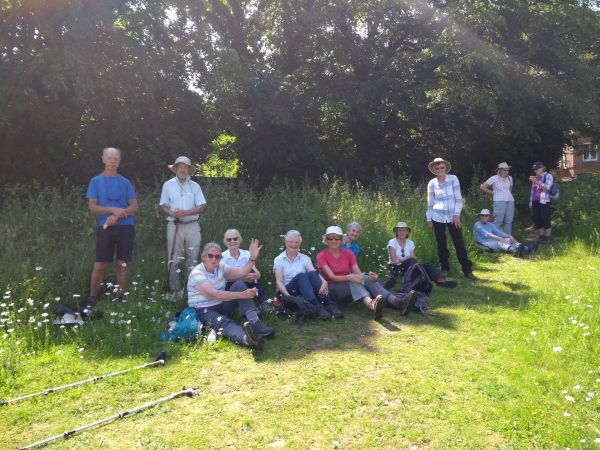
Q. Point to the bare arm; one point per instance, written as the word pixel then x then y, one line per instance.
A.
pixel 235 273
pixel 279 282
pixel 209 291
pixel 486 188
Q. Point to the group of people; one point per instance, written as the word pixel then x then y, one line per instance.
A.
pixel 223 281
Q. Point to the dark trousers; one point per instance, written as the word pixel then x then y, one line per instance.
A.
pixel 541 214
pixel 307 284
pixel 459 245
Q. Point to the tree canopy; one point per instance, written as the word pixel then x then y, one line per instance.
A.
pixel 353 88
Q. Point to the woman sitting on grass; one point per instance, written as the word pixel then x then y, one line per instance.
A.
pixel 214 305
pixel 401 252
pixel 236 257
pixel 346 281
pixel 350 238
pixel 295 275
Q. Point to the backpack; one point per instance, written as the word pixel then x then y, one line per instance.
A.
pixel 416 279
pixel 187 327
pixel 553 193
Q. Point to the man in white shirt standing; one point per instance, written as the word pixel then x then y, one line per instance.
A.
pixel 182 201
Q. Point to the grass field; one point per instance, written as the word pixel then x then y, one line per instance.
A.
pixel 509 361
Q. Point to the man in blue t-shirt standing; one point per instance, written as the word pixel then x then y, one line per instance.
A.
pixel 112 199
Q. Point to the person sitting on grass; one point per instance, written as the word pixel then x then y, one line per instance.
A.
pixel 347 282
pixel 214 305
pixel 350 238
pixel 236 257
pixel 295 275
pixel 401 253
pixel 489 236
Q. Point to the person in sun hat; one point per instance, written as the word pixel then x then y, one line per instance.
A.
pixel 112 199
pixel 488 235
pixel 500 186
pixel 182 202
pixel 539 200
pixel 444 205
pixel 346 281
pixel 401 255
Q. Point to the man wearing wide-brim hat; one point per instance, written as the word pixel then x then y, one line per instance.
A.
pixel 444 205
pixel 182 201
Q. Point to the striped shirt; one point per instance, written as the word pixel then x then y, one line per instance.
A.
pixel 444 200
pixel 501 187
pixel 199 276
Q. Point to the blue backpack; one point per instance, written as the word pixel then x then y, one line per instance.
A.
pixel 187 327
pixel 553 193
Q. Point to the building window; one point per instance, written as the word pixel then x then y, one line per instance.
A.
pixel 589 152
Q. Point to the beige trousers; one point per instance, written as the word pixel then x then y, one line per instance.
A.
pixel 187 248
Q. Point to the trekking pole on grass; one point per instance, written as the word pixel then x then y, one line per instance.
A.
pixel 160 361
pixel 189 392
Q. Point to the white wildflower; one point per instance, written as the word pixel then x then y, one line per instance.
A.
pixel 38 268
pixel 569 398
pixel 533 333
pixel 557 349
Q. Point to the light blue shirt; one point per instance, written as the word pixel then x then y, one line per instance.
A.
pixel 483 232
pixel 291 268
pixel 444 200
pixel 184 196
pixel 353 248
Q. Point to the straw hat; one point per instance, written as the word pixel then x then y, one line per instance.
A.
pixel 401 225
pixel 503 165
pixel 436 161
pixel 182 160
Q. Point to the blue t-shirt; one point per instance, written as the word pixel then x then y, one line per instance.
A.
pixel 353 248
pixel 111 191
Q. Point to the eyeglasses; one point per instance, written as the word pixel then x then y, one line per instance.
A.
pixel 334 238
pixel 214 256
pixel 234 239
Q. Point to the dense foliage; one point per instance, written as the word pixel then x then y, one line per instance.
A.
pixel 354 88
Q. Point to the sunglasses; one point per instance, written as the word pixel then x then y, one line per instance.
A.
pixel 402 255
pixel 484 215
pixel 234 239
pixel 334 238
pixel 214 255
pixel 439 167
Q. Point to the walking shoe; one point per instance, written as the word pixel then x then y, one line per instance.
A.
pixel 470 276
pixel 253 337
pixel 407 303
pixel 333 309
pixel 520 251
pixel 447 283
pixel 266 331
pixel 376 305
pixel 323 314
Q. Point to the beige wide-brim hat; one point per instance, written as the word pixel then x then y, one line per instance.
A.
pixel 401 225
pixel 182 160
pixel 437 161
pixel 502 165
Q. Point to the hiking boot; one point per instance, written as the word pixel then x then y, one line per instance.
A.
pixel 323 314
pixel 520 250
pixel 333 309
pixel 402 302
pixel 253 337
pixel 266 331
pixel 470 276
pixel 376 305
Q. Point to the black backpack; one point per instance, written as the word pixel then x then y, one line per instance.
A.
pixel 416 279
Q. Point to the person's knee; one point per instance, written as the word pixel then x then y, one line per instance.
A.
pixel 238 286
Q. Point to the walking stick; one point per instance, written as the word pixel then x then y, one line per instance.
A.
pixel 160 361
pixel 170 260
pixel 189 392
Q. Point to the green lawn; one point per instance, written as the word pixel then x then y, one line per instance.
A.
pixel 484 372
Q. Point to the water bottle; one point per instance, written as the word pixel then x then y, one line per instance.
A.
pixel 212 337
